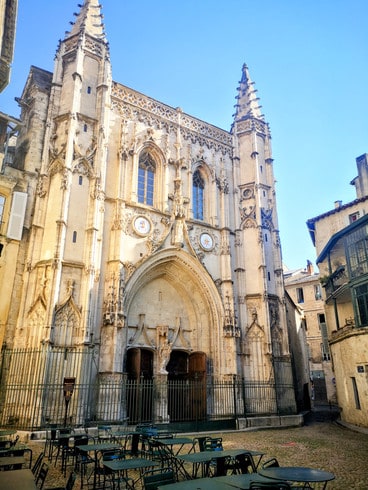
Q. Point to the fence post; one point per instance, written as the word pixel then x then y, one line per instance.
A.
pixel 244 398
pixel 235 397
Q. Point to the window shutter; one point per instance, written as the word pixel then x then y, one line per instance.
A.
pixel 16 220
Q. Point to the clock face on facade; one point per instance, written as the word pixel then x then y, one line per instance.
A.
pixel 142 225
pixel 247 193
pixel 206 241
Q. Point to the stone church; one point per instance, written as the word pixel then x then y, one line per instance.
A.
pixel 148 234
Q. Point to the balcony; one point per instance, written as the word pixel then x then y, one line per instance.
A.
pixel 335 281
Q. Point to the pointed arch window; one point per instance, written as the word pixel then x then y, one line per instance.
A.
pixel 198 195
pixel 146 178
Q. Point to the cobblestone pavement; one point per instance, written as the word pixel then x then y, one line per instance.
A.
pixel 323 445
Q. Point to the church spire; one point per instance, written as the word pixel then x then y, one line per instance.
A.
pixel 88 20
pixel 247 101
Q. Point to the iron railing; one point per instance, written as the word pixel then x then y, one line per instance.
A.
pixel 32 396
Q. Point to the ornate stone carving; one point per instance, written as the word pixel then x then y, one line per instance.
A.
pixel 42 185
pixel 266 216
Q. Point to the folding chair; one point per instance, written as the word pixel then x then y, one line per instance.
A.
pixel 157 478
pixel 241 464
pixel 41 477
pixel 213 444
pixel 35 468
pixel 269 485
pixel 69 484
pixel 271 463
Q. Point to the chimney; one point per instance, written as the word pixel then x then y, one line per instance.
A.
pixel 338 204
pixel 310 269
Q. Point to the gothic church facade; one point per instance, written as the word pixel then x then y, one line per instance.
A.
pixel 148 233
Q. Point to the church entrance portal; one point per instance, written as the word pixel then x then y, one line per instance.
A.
pixel 186 386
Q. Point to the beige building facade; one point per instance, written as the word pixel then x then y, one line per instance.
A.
pixel 148 233
pixel 305 288
pixel 340 237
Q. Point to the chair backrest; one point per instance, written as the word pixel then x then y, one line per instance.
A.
pixel 15 441
pixel 271 463
pixel 65 431
pixel 37 464
pixel 81 440
pixel 71 481
pixel 245 463
pixel 113 454
pixel 64 441
pixel 269 485
pixel 41 477
pixel 164 435
pixel 158 478
pixel 213 444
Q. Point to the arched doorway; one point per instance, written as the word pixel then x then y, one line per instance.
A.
pixel 139 368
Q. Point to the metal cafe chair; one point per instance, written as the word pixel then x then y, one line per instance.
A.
pixel 153 479
pixel 69 484
pixel 213 444
pixel 270 463
pixel 275 485
pixel 41 477
pixel 241 464
pixel 37 465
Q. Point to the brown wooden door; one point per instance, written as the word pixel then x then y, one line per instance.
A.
pixel 139 368
pixel 197 375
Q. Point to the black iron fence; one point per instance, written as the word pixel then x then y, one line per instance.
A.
pixel 32 394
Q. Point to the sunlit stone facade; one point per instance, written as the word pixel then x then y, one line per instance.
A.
pixel 149 233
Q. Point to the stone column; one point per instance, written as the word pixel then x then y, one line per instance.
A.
pixel 161 399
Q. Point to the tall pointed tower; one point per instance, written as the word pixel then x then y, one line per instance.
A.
pixel 68 153
pixel 258 259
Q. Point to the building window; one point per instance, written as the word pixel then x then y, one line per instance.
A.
pixel 357 252
pixel 2 204
pixel 89 90
pixel 198 195
pixel 85 127
pixel 325 348
pixel 361 303
pixel 80 180
pixel 356 393
pixel 299 295
pixel 146 178
pixel 317 292
pixel 74 237
pixel 353 217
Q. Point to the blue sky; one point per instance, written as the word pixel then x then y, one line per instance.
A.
pixel 308 60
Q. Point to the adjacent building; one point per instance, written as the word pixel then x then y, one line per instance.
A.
pixel 149 247
pixel 304 287
pixel 341 240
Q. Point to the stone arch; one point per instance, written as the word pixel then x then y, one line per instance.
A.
pixel 67 324
pixel 172 288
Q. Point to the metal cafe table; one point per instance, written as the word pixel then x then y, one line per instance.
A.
pixel 124 465
pixel 298 474
pixel 8 462
pixel 7 432
pixel 96 448
pixel 222 482
pixel 204 458
pixel 170 442
pixel 17 480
